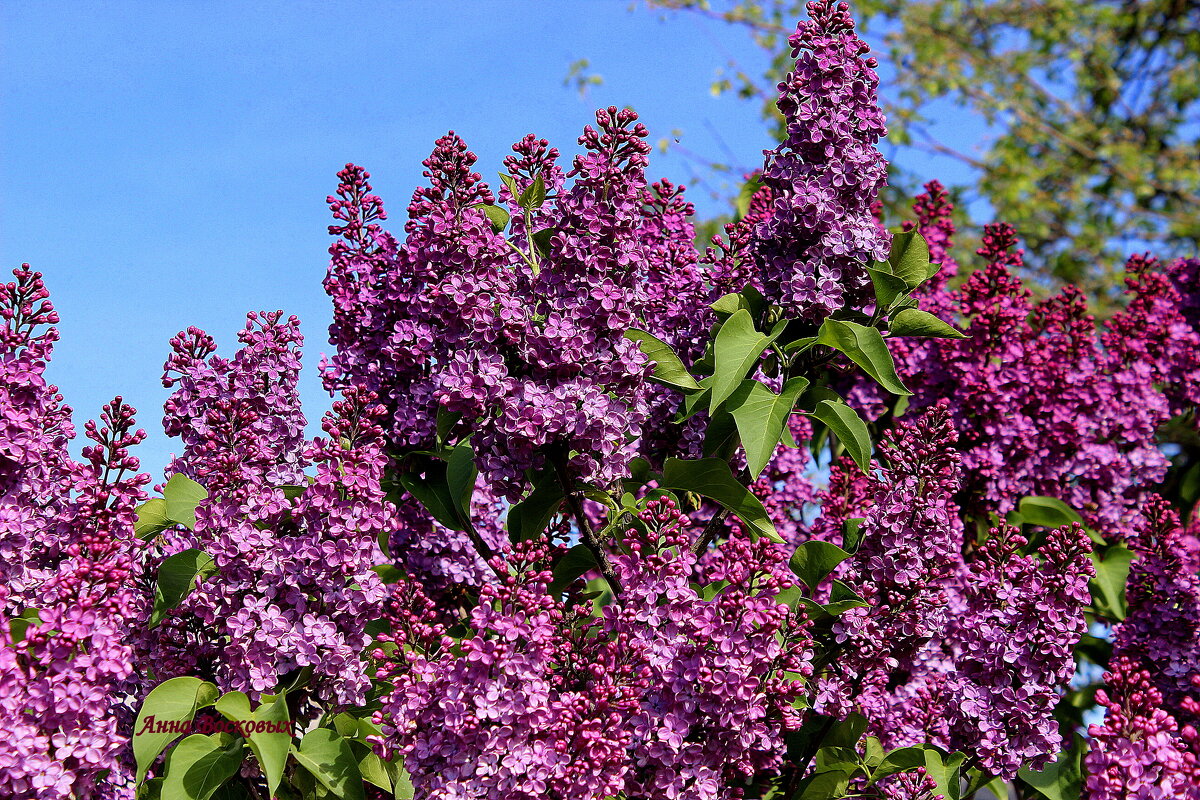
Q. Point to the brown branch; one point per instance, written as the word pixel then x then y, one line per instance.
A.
pixel 586 534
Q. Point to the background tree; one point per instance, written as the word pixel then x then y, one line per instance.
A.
pixel 1096 151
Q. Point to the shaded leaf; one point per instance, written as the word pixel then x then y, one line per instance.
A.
pixel 866 348
pixel 176 578
pixel 668 368
pixel 814 560
pixel 574 563
pixel 460 480
pixel 711 478
pixel 849 428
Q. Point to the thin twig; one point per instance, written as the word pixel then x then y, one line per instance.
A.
pixel 586 534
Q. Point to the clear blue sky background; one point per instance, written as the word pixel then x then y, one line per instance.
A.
pixel 165 164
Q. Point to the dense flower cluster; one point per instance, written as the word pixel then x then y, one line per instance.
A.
pixel 293 555
pixel 666 694
pixel 524 345
pixel 1148 745
pixel 910 540
pixel 825 176
pixel 1045 402
pixel 69 599
pixel 970 655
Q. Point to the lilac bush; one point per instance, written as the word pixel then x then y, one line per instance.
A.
pixel 816 512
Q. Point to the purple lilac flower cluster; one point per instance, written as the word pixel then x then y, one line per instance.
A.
pixel 911 535
pixel 69 601
pixel 1148 745
pixel 293 555
pixel 825 176
pixel 971 655
pixel 524 346
pixel 665 694
pixel 1042 405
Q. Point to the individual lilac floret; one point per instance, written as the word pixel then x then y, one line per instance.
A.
pixel 826 175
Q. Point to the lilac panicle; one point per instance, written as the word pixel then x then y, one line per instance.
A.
pixel 68 604
pixel 294 586
pixel 825 176
pixel 1148 745
pixel 665 694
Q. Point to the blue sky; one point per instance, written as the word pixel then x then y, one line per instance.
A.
pixel 165 164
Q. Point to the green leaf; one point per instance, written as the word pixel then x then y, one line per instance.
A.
pixel 727 305
pixel 746 194
pixel 510 182
pixel 388 573
pixel 915 322
pixel 736 349
pixel 711 478
pixel 944 769
pixel 888 287
pixel 291 491
pixel 151 518
pixel 460 480
pixel 900 760
pixel 720 435
pixel 328 757
pixel 433 492
pixel 1047 512
pixel 824 786
pixel 199 765
pixel 372 768
pixel 175 700
pixel 841 599
pixel 814 560
pixel 269 747
pixel 534 195
pixel 695 402
pixel 846 732
pixel 668 368
pixel 574 563
pixel 865 347
pixel 849 428
pixel 19 625
pixel 852 534
pixel 176 578
pixel 182 495
pixel 541 240
pixel 909 258
pixel 498 216
pixel 761 416
pixel 530 517
pixel 446 420
pixel 1061 779
pixel 1108 584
